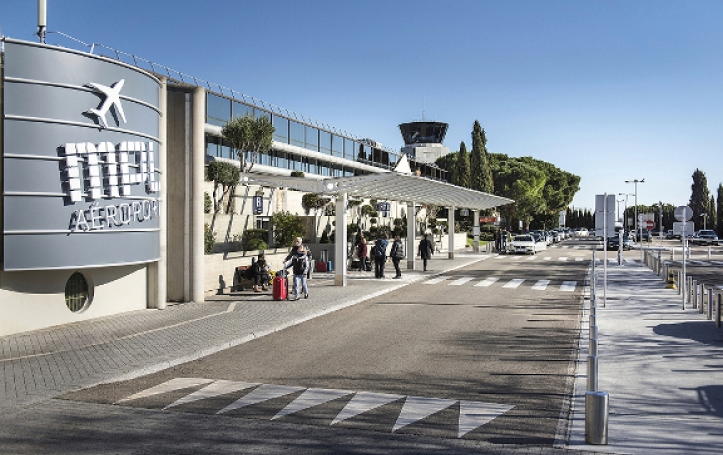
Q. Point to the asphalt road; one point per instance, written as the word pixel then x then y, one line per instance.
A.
pixel 482 354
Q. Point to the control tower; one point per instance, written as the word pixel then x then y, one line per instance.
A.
pixel 423 140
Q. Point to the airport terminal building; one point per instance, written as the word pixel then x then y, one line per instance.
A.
pixel 102 171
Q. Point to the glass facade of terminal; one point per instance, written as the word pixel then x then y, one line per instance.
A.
pixel 220 109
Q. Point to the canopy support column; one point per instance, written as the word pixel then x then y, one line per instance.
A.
pixel 475 230
pixel 340 241
pixel 411 228
pixel 450 232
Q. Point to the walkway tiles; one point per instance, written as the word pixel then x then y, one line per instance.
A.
pixel 472 414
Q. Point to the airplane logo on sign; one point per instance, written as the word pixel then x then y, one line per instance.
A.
pixel 112 99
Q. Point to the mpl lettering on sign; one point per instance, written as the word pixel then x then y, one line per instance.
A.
pixel 105 170
pixel 98 217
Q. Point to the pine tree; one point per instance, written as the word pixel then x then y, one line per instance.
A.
pixel 699 198
pixel 480 170
pixel 461 172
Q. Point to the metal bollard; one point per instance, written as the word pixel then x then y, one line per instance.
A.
pixel 593 331
pixel 680 282
pixel 710 304
pixel 592 373
pixel 694 293
pixel 596 417
pixel 592 347
pixel 717 311
pixel 701 298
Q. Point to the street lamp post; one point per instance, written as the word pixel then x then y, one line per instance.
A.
pixel 625 218
pixel 635 182
pixel 619 201
pixel 705 219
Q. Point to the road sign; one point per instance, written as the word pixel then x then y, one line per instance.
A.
pixel 683 213
pixel 650 224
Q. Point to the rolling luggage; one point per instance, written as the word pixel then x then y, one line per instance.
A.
pixel 281 286
pixel 368 264
pixel 321 267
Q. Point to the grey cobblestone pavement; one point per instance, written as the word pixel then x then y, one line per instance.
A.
pixel 39 365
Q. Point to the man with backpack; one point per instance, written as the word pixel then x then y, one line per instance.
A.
pixel 299 264
pixel 380 255
pixel 397 254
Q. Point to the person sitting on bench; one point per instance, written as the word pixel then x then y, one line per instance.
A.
pixel 260 273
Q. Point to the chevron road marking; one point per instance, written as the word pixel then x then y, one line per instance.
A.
pixel 472 414
pixel 169 386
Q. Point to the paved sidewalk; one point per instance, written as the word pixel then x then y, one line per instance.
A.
pixel 662 367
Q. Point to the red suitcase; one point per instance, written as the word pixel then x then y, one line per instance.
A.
pixel 280 288
pixel 321 267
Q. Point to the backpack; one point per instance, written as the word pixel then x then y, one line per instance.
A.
pixel 298 265
pixel 398 250
pixel 380 249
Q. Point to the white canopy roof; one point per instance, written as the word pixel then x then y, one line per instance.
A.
pixel 388 186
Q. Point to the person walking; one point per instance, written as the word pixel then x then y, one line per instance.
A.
pixel 380 255
pixel 300 267
pixel 397 254
pixel 425 250
pixel 362 253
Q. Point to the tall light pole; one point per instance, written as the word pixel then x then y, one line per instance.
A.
pixel 625 219
pixel 705 219
pixel 619 201
pixel 635 182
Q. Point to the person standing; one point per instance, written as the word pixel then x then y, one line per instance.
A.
pixel 425 250
pixel 300 267
pixel 362 253
pixel 397 254
pixel 380 255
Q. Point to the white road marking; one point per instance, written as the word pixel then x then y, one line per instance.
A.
pixel 264 393
pixel 417 408
pixel 474 414
pixel 216 388
pixel 462 280
pixel 512 284
pixel 363 402
pixel 487 281
pixel 568 286
pixel 541 285
pixel 311 398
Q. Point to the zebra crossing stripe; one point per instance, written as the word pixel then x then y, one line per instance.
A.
pixel 578 258
pixel 532 258
pixel 461 281
pixel 487 282
pixel 512 284
pixel 439 279
pixel 541 285
pixel 563 258
pixel 499 256
pixel 568 286
pixel 548 258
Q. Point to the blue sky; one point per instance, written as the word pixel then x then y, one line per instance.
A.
pixel 608 90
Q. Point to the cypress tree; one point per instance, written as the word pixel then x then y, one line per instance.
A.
pixel 480 171
pixel 699 198
pixel 461 171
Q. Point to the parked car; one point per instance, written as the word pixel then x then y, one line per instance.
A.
pixel 669 234
pixel 524 244
pixel 705 237
pixel 613 242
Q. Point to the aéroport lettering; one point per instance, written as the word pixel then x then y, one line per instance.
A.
pixel 98 216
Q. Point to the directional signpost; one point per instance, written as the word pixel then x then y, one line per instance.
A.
pixel 683 213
